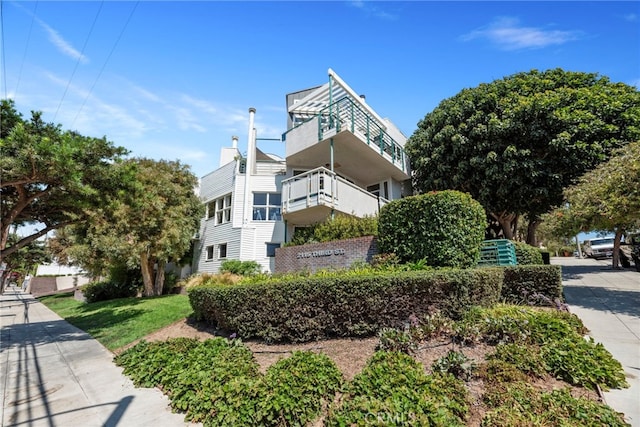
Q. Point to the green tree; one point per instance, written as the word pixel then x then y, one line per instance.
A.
pixel 148 224
pixel 605 198
pixel 516 143
pixel 49 177
pixel 24 260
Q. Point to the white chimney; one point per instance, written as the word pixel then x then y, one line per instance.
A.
pixel 251 155
pixel 234 141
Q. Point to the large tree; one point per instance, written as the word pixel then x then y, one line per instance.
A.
pixel 516 143
pixel 49 177
pixel 149 224
pixel 606 198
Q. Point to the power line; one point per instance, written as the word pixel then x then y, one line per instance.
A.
pixel 79 59
pixel 26 48
pixel 105 62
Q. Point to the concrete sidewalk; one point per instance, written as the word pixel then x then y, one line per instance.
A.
pixel 608 302
pixel 54 374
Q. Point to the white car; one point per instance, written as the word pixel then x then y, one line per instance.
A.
pixel 599 248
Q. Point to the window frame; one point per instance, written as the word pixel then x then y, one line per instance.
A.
pixel 274 245
pixel 220 250
pixel 270 209
pixel 220 209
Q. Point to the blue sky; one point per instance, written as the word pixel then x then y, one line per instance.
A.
pixel 175 80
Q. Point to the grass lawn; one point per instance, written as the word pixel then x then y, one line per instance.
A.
pixel 119 322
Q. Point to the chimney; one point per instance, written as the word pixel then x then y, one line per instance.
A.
pixel 234 140
pixel 251 156
pixel 363 98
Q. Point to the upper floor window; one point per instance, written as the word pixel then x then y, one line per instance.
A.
pixel 267 207
pixel 220 209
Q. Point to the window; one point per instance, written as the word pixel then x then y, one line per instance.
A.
pixel 222 250
pixel 271 249
pixel 209 253
pixel 267 207
pixel 220 209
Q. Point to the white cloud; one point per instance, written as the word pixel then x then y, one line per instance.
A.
pixel 508 34
pixel 631 17
pixel 63 46
pixel 373 8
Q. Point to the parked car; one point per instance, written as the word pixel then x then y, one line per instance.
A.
pixel 599 248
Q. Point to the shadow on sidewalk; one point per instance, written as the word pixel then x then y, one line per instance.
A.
pixel 596 298
pixel 37 333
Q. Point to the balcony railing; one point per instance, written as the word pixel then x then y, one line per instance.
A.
pixel 345 114
pixel 321 187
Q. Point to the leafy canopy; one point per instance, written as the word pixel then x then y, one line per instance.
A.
pixel 149 223
pixel 606 198
pixel 50 177
pixel 516 143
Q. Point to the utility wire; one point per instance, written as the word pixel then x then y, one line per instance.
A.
pixel 26 48
pixel 79 59
pixel 105 62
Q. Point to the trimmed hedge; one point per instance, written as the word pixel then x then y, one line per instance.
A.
pixel 313 308
pixel 104 291
pixel 527 254
pixel 445 228
pixel 532 284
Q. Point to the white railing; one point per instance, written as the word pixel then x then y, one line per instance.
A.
pixel 321 187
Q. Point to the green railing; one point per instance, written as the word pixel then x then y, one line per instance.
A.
pixel 345 114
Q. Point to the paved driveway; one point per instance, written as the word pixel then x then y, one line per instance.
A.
pixel 608 302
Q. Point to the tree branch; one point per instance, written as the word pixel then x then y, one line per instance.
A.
pixel 26 240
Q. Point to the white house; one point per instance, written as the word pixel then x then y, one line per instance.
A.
pixel 341 158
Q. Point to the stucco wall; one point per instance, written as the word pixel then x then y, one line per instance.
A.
pixel 318 256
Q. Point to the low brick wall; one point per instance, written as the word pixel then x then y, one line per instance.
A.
pixel 318 256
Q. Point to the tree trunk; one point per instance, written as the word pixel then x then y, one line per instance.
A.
pixel 531 231
pixel 506 221
pixel 147 275
pixel 160 277
pixel 616 249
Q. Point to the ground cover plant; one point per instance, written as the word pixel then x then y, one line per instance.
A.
pixel 504 365
pixel 118 322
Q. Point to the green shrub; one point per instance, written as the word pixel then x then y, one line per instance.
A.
pixel 527 254
pixel 521 405
pixel 585 363
pixel 526 358
pixel 338 228
pixel 532 284
pixel 445 228
pixel 456 364
pixel 295 390
pixel 103 291
pixel 395 340
pixel 241 268
pixel 309 308
pixel 393 389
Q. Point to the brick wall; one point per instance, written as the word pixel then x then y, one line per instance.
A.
pixel 318 256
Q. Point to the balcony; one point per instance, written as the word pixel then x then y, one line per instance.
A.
pixel 310 197
pixel 353 138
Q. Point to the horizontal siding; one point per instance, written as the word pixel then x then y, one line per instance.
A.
pixel 217 183
pixel 213 236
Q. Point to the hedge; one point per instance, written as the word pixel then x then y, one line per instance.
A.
pixel 313 308
pixel 532 284
pixel 527 254
pixel 444 228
